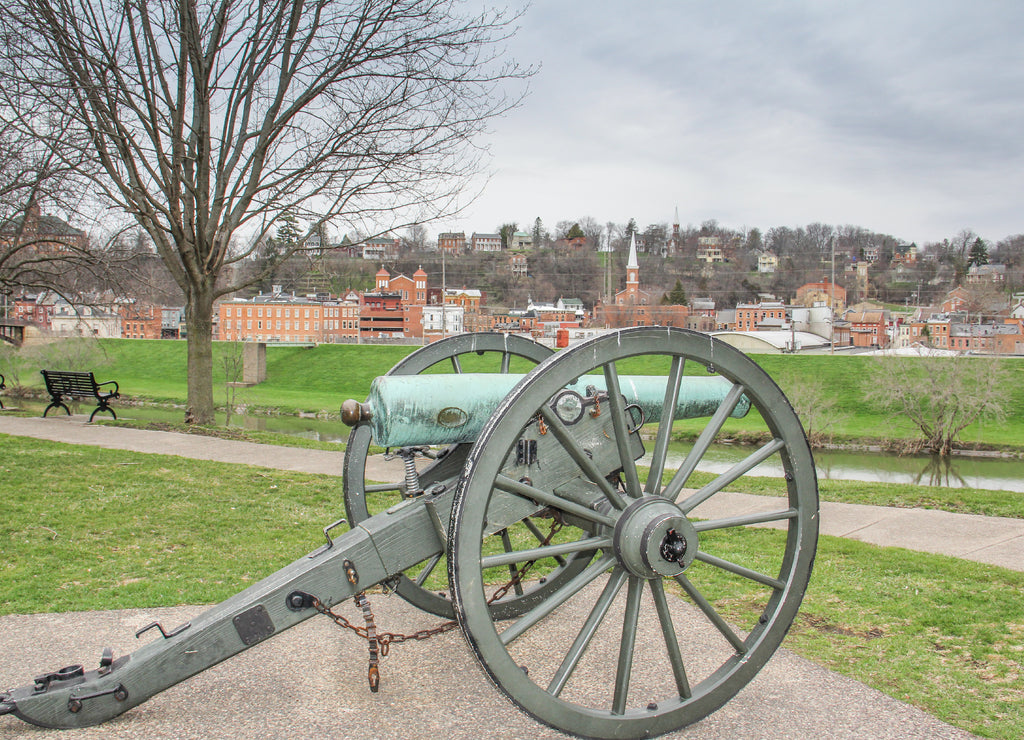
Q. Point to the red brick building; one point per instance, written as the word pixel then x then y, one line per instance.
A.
pixel 141 322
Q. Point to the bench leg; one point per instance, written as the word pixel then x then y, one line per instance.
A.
pixel 54 405
pixel 102 407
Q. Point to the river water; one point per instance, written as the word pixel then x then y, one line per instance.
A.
pixel 994 473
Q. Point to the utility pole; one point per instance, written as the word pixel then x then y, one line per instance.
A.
pixel 832 298
pixel 444 293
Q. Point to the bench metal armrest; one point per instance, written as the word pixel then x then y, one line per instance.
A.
pixel 115 393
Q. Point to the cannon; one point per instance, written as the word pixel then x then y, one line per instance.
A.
pixel 525 493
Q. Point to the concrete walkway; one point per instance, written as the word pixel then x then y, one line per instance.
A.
pixel 310 681
pixel 993 540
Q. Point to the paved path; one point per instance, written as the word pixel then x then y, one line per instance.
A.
pixel 992 540
pixel 310 681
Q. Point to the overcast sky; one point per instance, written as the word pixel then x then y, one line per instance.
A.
pixel 904 117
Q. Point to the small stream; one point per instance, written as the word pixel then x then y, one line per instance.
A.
pixel 993 473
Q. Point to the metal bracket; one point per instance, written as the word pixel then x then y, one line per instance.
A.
pixel 42 683
pixel 167 635
pixel 327 535
pixel 75 703
pixel 254 625
pixel 299 600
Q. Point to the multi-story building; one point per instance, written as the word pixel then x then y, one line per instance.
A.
pixel 88 318
pixel 453 242
pixel 467 298
pixel 986 275
pixel 443 320
pixel 824 292
pixel 518 265
pixel 141 322
pixel 40 233
pixel 381 248
pixel 709 250
pixel 767 262
pixel 486 242
pixel 868 329
pixel 272 318
pixel 522 240
pixel 35 308
pixel 381 315
pixel 761 316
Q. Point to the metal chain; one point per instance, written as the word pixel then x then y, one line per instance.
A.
pixel 380 643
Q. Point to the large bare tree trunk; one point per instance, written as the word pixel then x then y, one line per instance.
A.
pixel 199 321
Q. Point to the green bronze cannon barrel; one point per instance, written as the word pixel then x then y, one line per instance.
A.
pixel 407 410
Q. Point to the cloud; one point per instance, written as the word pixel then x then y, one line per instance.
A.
pixel 902 118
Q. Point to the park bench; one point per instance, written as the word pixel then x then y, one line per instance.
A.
pixel 62 384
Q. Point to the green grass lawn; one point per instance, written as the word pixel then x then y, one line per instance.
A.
pixel 90 528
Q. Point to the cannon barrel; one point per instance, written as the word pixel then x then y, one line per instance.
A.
pixel 408 410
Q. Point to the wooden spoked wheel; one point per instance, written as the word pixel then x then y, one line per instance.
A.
pixel 676 609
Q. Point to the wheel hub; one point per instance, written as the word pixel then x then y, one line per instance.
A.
pixel 654 538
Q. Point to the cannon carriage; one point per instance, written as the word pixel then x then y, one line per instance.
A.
pixel 524 492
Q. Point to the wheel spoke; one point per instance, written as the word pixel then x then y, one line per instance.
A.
pixel 668 629
pixel 504 483
pixel 700 447
pixel 746 520
pixel 668 412
pixel 556 599
pixel 541 537
pixel 740 570
pixel 506 543
pixel 428 569
pixel 736 471
pixel 628 643
pixel 586 633
pixel 548 551
pixel 709 611
pixel 618 411
pixel 456 365
pixel 506 359
pixel 580 457
pixel 382 487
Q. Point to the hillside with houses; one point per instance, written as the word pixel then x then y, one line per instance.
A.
pixel 815 288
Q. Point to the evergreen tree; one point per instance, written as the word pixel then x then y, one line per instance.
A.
pixel 288 231
pixel 676 296
pixel 539 234
pixel 978 254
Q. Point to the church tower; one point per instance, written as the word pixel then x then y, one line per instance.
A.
pixel 632 273
pixel 674 245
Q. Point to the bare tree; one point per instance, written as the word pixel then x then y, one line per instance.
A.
pixel 941 395
pixel 210 118
pixel 38 252
pixel 816 405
